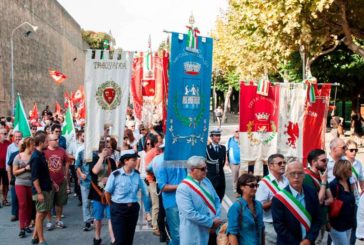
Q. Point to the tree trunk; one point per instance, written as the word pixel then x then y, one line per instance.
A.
pixel 214 101
pixel 227 102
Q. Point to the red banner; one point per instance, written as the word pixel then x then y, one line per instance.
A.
pixel 136 86
pixel 314 123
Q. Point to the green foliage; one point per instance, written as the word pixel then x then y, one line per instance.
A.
pixel 96 40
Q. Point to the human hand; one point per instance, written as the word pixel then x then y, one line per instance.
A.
pixel 56 187
pixel 323 177
pixel 27 167
pixel 40 197
pixel 83 176
pixel 305 242
pixel 216 223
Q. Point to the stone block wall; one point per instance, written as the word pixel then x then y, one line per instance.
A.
pixel 56 45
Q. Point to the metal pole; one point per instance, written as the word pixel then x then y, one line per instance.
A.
pixel 12 73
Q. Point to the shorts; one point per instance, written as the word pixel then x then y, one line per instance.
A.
pixel 98 210
pixel 4 177
pixel 60 198
pixel 46 205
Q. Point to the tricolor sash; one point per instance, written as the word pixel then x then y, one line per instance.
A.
pixel 315 177
pixel 295 207
pixel 272 185
pixel 355 174
pixel 202 192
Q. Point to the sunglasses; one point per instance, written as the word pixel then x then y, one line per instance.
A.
pixel 147 143
pixel 252 185
pixel 353 150
pixel 203 169
pixel 281 163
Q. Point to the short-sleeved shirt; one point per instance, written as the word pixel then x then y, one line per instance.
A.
pixel 264 194
pixel 124 187
pixel 23 178
pixel 233 150
pixel 56 162
pixel 170 176
pixel 3 150
pixel 250 228
pixel 97 178
pixel 40 171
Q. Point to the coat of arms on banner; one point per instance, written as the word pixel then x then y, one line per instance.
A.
pixel 108 95
pixel 265 129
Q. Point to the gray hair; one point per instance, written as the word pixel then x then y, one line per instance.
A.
pixel 195 162
pixel 334 142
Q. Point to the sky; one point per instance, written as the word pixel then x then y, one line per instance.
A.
pixel 131 22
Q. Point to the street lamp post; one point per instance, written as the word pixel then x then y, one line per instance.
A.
pixel 34 28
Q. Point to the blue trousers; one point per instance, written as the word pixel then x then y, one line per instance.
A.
pixel 14 202
pixel 173 224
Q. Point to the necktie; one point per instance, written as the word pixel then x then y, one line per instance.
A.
pixel 216 148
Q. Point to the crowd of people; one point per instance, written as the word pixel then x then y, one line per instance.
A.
pixel 182 204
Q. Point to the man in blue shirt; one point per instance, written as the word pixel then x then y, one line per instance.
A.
pixel 168 179
pixel 233 156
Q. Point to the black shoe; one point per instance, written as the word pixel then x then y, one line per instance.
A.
pixel 163 237
pixel 35 240
pixel 22 233
pixel 97 242
pixel 28 230
pixel 14 218
pixel 87 227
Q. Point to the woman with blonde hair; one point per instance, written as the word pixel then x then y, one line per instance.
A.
pixel 23 184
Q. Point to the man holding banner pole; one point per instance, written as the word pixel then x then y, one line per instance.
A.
pixel 295 210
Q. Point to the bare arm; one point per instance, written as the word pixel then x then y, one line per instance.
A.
pixel 233 240
pixel 169 188
pixel 97 168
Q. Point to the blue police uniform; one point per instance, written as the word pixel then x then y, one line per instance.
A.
pixel 123 188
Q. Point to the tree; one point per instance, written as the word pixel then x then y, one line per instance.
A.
pixel 97 40
pixel 256 37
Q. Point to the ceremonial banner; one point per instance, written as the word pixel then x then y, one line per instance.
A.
pixel 292 98
pixel 149 87
pixel 315 119
pixel 107 89
pixel 188 98
pixel 258 122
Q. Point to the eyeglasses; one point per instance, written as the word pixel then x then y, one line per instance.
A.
pixel 353 150
pixel 281 163
pixel 147 143
pixel 296 174
pixel 252 185
pixel 203 169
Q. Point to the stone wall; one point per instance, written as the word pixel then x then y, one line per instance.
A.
pixel 56 45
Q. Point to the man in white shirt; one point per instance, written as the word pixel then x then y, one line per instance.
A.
pixel 337 150
pixel 266 190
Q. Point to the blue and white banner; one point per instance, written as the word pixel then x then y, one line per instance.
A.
pixel 188 99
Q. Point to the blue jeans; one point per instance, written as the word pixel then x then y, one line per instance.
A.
pixel 14 202
pixel 86 203
pixel 173 224
pixel 340 237
pixel 147 206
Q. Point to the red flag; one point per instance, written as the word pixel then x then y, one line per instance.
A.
pixel 78 96
pixel 67 100
pixel 314 122
pixel 34 114
pixel 82 111
pixel 57 109
pixel 136 86
pixel 57 76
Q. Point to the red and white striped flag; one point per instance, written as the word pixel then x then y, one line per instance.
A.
pixel 263 87
pixel 57 76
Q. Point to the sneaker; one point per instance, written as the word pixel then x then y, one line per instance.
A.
pixel 97 241
pixel 50 226
pixel 59 224
pixel 6 203
pixel 87 227
pixel 22 233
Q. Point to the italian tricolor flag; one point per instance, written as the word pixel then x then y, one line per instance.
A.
pixel 21 123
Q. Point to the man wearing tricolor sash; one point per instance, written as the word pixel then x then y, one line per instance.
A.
pixel 269 186
pixel 316 178
pixel 198 204
pixel 295 210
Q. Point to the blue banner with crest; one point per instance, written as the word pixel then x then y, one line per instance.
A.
pixel 188 98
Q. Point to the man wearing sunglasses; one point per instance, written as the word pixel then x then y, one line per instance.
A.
pixel 198 204
pixel 268 186
pixel 316 178
pixel 337 151
pixel 295 209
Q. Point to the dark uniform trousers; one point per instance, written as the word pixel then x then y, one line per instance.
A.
pixel 215 161
pixel 124 218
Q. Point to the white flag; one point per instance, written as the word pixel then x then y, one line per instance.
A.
pixel 107 83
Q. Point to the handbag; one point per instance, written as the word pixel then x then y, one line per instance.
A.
pixel 222 237
pixel 336 205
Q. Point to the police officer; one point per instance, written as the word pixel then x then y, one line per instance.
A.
pixel 121 193
pixel 215 161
